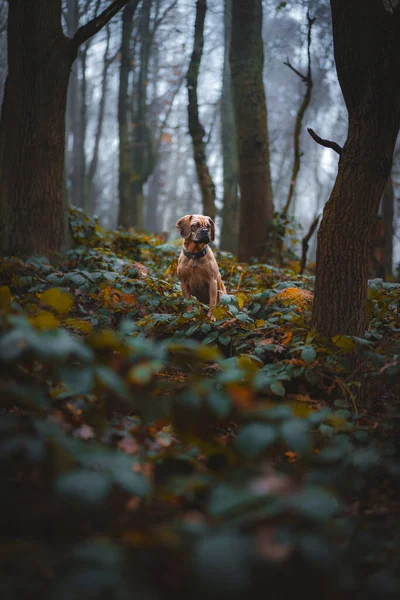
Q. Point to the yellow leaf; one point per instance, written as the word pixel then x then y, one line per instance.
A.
pixel 241 298
pixel 106 339
pixel 343 342
pixel 79 325
pixel 5 298
pixel 219 312
pixel 249 364
pixel 44 320
pixel 60 301
pixel 260 322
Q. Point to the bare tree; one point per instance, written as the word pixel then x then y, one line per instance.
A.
pixel 196 129
pixel 230 208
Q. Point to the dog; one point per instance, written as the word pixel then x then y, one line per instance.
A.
pixel 197 268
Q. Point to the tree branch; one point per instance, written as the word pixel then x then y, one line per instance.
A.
pixel 305 241
pixel 289 64
pixel 90 29
pixel 307 79
pixel 326 143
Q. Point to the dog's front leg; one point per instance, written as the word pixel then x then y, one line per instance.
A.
pixel 213 289
pixel 185 289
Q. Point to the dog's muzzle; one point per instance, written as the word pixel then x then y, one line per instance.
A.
pixel 203 237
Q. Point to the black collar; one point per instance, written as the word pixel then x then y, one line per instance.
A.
pixel 195 255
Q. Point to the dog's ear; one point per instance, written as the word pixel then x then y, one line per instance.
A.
pixel 184 226
pixel 212 229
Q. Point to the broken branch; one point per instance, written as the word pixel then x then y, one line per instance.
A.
pixel 326 143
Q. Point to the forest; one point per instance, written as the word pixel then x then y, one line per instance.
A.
pixel 199 299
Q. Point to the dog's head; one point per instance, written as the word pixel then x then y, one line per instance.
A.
pixel 197 228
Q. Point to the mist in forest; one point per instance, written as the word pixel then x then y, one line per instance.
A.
pixel 157 53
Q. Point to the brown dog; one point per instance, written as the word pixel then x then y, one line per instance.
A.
pixel 197 268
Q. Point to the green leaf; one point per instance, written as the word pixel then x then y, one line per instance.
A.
pixel 224 339
pixel 223 562
pixel 295 433
pixel 84 487
pixel 111 380
pixel 314 504
pixel 220 404
pixel 277 388
pixel 308 354
pixel 210 338
pixel 131 482
pixel 255 438
pixel 79 381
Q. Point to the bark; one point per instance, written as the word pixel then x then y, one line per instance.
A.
pixel 388 215
pixel 246 61
pixel 230 209
pixel 196 129
pixel 32 128
pixel 74 112
pixel 125 215
pixel 142 148
pixel 100 122
pixel 367 55
pixel 83 125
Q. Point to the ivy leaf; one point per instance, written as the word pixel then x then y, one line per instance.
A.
pixel 253 439
pixel 111 380
pixel 84 487
pixel 224 339
pixel 277 388
pixel 308 354
pixel 295 433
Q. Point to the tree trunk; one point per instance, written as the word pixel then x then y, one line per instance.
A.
pixel 196 129
pixel 367 55
pixel 247 61
pixel 83 188
pixel 32 142
pixel 142 147
pixel 388 214
pixel 125 215
pixel 99 129
pixel 230 210
pixel 74 112
pixel 32 127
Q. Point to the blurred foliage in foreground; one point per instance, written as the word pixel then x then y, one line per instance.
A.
pixel 149 452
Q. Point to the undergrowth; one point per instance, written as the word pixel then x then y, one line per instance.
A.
pixel 147 450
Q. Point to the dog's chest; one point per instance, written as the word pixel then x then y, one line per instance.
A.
pixel 197 275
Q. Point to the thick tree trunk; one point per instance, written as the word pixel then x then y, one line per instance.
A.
pixel 247 60
pixel 367 54
pixel 32 142
pixel 196 129
pixel 125 215
pixel 32 128
pixel 230 210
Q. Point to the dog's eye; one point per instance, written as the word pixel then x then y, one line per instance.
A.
pixel 195 226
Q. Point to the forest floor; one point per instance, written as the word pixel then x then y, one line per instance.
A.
pixel 148 450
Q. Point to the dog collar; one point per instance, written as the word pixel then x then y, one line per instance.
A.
pixel 195 255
